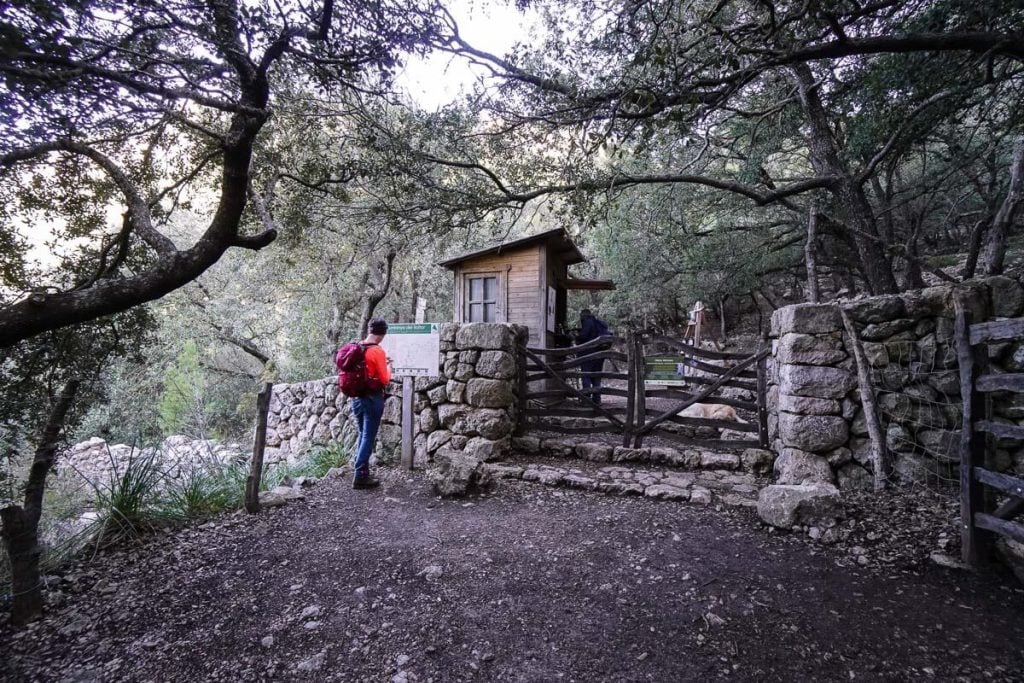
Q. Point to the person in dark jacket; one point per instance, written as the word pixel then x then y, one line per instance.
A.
pixel 591 328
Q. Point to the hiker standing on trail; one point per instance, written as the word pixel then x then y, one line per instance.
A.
pixel 591 328
pixel 364 374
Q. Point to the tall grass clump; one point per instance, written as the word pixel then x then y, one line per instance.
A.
pixel 319 461
pixel 128 503
pixel 205 489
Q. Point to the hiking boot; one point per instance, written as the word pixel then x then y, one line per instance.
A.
pixel 366 482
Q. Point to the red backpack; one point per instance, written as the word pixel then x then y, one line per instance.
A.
pixel 352 377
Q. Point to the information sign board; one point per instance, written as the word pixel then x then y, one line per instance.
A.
pixel 413 349
pixel 666 370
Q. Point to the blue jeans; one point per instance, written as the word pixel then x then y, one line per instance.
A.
pixel 368 410
pixel 590 382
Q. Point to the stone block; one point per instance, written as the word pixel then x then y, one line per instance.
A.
pixel 496 365
pixel 456 391
pixel 805 405
pixel 853 477
pixel 885 330
pixel 876 354
pixel 897 438
pixel 429 421
pixel 719 461
pixel 490 423
pixel 837 457
pixel 526 444
pixel 1007 296
pixel 489 393
pixel 929 302
pixel 622 454
pixel 941 444
pixel 487 450
pixel 794 466
pixel 666 492
pixel 806 319
pixel 595 452
pixel 456 473
pixel 470 356
pixel 912 468
pixel 449 413
pixel 813 433
pixel 448 331
pixel 876 309
pixel 757 460
pixel 785 506
pixel 437 439
pixel 815 381
pixel 495 336
pixel 438 395
pixel 809 349
pixel 464 372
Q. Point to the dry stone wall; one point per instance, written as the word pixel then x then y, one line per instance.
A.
pixel 470 410
pixel 816 420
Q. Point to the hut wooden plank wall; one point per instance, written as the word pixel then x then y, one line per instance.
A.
pixel 524 272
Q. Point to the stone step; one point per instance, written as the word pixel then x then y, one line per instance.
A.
pixel 750 460
pixel 705 488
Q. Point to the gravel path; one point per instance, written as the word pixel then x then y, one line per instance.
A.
pixel 529 584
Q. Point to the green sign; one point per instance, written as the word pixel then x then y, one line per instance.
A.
pixel 412 328
pixel 666 370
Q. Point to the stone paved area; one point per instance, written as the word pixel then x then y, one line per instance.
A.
pixel 703 487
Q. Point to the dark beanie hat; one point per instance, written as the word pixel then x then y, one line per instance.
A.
pixel 378 326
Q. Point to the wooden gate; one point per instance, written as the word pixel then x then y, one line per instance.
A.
pixel 706 373
pixel 981 512
pixel 552 387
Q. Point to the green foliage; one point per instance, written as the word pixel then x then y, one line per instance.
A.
pixel 183 390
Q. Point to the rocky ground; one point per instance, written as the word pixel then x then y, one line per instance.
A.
pixel 531 583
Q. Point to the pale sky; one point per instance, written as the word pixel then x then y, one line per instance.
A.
pixel 490 25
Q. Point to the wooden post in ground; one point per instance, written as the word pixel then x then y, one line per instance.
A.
pixel 762 398
pixel 976 543
pixel 252 484
pixel 631 390
pixel 407 422
pixel 879 459
pixel 523 389
pixel 639 372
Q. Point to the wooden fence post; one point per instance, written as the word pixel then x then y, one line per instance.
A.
pixel 976 543
pixel 252 484
pixel 879 459
pixel 631 389
pixel 762 398
pixel 639 372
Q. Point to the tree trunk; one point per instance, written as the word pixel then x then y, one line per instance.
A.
pixel 382 284
pixel 995 243
pixel 810 258
pixel 974 249
pixel 20 524
pixel 850 198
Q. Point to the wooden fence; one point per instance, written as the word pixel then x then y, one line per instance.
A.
pixel 982 514
pixel 552 387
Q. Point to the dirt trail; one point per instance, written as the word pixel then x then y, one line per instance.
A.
pixel 530 584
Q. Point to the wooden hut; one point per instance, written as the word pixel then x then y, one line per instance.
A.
pixel 521 281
